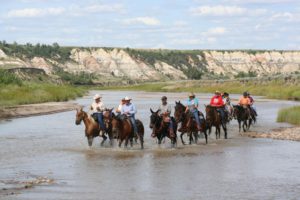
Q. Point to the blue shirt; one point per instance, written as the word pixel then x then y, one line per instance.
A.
pixel 192 103
pixel 130 108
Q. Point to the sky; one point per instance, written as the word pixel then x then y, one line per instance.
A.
pixel 166 24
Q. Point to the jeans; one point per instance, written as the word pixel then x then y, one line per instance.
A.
pixel 100 120
pixel 222 112
pixel 196 115
pixel 132 119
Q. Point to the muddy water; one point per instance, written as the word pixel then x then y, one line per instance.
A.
pixel 53 148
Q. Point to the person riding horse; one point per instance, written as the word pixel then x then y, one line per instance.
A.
pixel 228 106
pixel 119 109
pixel 217 102
pixel 165 109
pixel 252 108
pixel 98 108
pixel 192 107
pixel 129 110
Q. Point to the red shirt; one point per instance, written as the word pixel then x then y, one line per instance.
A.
pixel 217 101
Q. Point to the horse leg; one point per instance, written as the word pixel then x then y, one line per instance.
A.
pixel 225 130
pixel 141 140
pixel 240 125
pixel 245 125
pixel 205 134
pixel 120 142
pixel 104 139
pixel 181 136
pixel 196 137
pixel 126 142
pixel 131 142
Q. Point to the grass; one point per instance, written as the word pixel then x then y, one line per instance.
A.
pixel 290 115
pixel 28 93
pixel 271 89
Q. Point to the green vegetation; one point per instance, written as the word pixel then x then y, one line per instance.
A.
pixel 81 78
pixel 272 89
pixel 28 93
pixel 9 78
pixel 290 115
pixel 245 75
pixel 28 50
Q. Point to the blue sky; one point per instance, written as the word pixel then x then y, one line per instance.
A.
pixel 173 24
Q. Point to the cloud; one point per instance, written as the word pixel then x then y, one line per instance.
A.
pixel 149 21
pixel 216 31
pixel 260 1
pixel 218 10
pixel 105 8
pixel 35 12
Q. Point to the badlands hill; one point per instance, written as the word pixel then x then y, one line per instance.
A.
pixel 148 65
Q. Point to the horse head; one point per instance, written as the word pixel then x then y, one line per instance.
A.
pixel 115 126
pixel 209 110
pixel 79 115
pixel 179 111
pixel 153 117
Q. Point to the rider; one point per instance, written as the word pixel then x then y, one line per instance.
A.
pixel 217 101
pixel 192 106
pixel 244 100
pixel 227 102
pixel 129 110
pixel 252 108
pixel 165 109
pixel 97 108
pixel 119 109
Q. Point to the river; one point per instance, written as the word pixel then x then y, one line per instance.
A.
pixel 54 148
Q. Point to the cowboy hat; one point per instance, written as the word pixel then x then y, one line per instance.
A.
pixel 191 94
pixel 127 98
pixel 97 96
pixel 217 92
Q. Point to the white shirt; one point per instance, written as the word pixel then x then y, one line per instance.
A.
pixel 97 107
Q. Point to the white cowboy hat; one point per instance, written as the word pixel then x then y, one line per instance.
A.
pixel 127 98
pixel 97 96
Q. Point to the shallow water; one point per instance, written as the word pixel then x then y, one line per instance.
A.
pixel 238 168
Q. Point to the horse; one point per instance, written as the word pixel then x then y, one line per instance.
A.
pixel 122 129
pixel 242 114
pixel 160 127
pixel 213 118
pixel 92 128
pixel 188 124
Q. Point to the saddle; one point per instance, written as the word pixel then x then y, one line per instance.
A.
pixel 94 117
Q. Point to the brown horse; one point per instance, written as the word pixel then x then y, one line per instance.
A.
pixel 243 115
pixel 213 118
pixel 188 124
pixel 92 128
pixel 160 127
pixel 122 129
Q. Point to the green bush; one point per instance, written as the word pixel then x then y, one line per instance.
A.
pixel 9 78
pixel 289 115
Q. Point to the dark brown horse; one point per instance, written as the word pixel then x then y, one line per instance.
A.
pixel 122 129
pixel 160 127
pixel 92 128
pixel 243 116
pixel 213 118
pixel 188 124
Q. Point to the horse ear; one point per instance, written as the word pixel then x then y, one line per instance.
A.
pixel 151 110
pixel 175 102
pixel 81 108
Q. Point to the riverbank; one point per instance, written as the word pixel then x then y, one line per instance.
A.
pixel 36 109
pixel 278 134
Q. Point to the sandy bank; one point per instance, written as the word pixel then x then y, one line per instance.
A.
pixel 36 109
pixel 280 134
